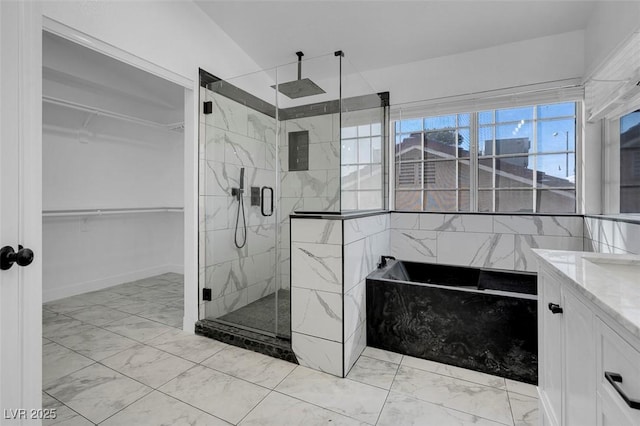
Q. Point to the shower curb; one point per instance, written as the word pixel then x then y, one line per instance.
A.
pixel 266 345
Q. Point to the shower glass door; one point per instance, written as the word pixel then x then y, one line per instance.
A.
pixel 238 204
pixel 270 146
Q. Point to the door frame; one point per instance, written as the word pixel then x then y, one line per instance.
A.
pixel 21 350
pixel 191 93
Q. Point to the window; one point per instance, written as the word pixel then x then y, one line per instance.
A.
pixel 630 163
pixel 505 160
pixel 361 167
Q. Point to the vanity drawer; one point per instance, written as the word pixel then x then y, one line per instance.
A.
pixel 618 367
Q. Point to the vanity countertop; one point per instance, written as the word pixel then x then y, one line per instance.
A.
pixel 610 281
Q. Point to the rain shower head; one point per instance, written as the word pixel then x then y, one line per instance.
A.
pixel 301 87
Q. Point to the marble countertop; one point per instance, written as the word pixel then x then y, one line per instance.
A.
pixel 610 281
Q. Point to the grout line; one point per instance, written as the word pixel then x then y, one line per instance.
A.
pixel 65 405
pixel 389 390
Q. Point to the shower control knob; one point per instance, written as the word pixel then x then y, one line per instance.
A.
pixel 8 257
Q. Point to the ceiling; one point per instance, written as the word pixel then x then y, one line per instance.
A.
pixel 378 34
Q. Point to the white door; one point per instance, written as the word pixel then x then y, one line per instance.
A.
pixel 20 211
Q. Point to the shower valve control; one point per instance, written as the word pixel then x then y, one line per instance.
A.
pixel 255 195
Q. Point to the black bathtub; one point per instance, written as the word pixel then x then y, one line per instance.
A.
pixel 483 320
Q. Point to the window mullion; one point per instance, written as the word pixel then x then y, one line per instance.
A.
pixel 473 162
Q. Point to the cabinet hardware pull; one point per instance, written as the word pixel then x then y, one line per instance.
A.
pixel 614 379
pixel 555 308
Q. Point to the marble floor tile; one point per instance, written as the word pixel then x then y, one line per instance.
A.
pixel 251 366
pixel 93 342
pixel 58 361
pixel 159 409
pixel 131 305
pixel 98 315
pixel 482 401
pixel 138 328
pixel 382 355
pixel 148 365
pixel 48 315
pixel 150 282
pixel 524 409
pixel 188 346
pixel 97 392
pixel 216 393
pixel 58 324
pixel 65 416
pixel 172 276
pixel 276 407
pixel 170 287
pixel 455 372
pixel 172 317
pixel 357 400
pixel 128 289
pixel 68 304
pixel 373 372
pixel 404 410
pixel 521 388
pixel 98 297
pixel 157 296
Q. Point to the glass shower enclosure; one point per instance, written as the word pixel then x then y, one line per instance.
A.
pixel 302 137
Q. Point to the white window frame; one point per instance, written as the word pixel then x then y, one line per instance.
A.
pixel 534 95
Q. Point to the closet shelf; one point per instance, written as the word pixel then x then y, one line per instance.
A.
pixel 178 127
pixel 103 212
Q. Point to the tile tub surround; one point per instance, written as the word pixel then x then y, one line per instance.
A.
pixel 499 241
pixel 330 261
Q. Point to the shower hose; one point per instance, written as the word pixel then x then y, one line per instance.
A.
pixel 244 223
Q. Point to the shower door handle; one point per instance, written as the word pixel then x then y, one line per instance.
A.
pixel 262 193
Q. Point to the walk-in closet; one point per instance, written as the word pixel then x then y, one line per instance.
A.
pixel 113 186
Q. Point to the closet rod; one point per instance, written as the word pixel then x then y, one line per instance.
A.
pixel 102 212
pixel 103 112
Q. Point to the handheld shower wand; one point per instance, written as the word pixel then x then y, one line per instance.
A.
pixel 237 192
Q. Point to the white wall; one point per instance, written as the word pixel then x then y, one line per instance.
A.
pixel 510 65
pixel 112 165
pixel 611 23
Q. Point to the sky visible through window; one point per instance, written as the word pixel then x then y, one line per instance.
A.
pixel 555 132
pixel 629 121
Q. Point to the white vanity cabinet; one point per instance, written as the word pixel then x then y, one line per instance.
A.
pixel 589 344
pixel 567 381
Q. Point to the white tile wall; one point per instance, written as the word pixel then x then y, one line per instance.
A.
pixel 319 354
pixel 606 235
pixel 494 241
pixel 235 136
pixel 320 294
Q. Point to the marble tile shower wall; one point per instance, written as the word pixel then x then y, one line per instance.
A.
pixel 365 240
pixel 235 136
pixel 604 235
pixel 330 261
pixel 317 189
pixel 491 241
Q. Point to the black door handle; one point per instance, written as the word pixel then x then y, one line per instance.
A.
pixel 262 191
pixel 8 257
pixel 614 379
pixel 555 308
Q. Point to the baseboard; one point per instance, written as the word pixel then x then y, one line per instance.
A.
pixel 49 295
